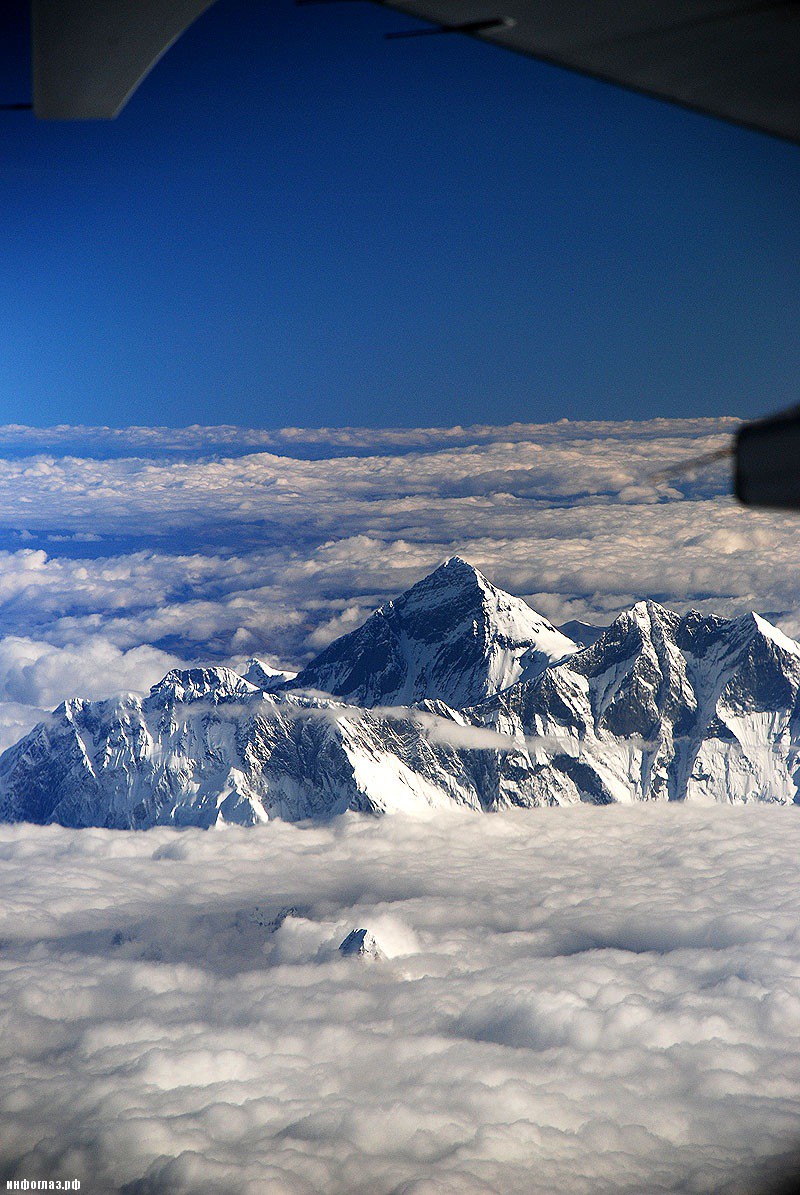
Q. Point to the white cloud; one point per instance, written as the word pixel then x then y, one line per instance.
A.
pixel 17 718
pixel 589 1000
pixel 297 441
pixel 341 624
pixel 37 673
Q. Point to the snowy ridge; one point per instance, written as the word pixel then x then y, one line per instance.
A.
pixel 666 708
pixel 455 694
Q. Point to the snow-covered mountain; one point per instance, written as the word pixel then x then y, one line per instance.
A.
pixel 453 637
pixel 661 708
pixel 206 747
pixel 658 708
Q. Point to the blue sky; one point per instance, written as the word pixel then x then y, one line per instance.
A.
pixel 296 222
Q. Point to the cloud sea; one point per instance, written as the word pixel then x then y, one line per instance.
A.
pixel 593 1000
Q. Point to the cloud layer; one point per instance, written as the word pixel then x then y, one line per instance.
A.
pixel 591 1000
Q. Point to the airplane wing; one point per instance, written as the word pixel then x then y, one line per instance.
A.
pixel 89 56
pixel 736 60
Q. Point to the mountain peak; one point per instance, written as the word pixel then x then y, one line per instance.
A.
pixel 452 574
pixel 646 617
pixel 456 567
pixel 650 611
pixel 264 676
pixel 451 637
pixel 360 943
pixel 773 633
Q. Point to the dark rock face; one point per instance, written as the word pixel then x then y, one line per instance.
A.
pixel 660 707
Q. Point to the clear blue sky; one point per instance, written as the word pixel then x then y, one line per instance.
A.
pixel 297 222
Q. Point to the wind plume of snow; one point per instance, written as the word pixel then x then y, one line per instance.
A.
pixel 587 1000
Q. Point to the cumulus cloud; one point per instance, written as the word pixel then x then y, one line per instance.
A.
pixel 16 719
pixel 37 673
pixel 589 1000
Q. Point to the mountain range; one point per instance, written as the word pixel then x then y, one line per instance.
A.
pixel 454 694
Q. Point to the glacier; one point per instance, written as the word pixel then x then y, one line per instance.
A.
pixel 454 694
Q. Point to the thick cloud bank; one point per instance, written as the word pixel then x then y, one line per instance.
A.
pixel 585 1000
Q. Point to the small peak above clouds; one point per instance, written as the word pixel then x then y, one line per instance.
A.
pixel 264 676
pixel 360 943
